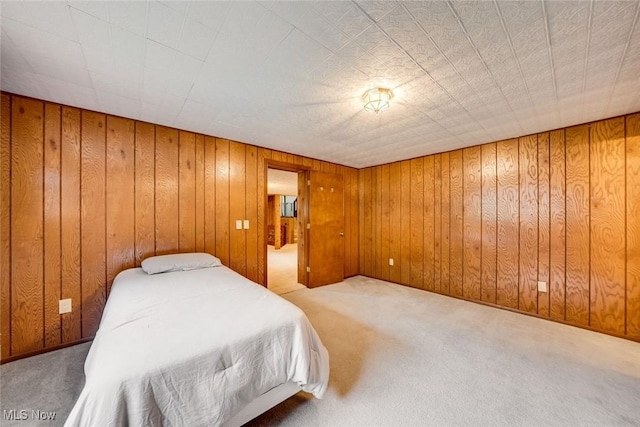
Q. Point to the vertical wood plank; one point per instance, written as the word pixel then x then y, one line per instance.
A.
pixel 385 222
pixel 26 225
pixel 607 234
pixel 472 240
pixel 355 248
pixel 368 224
pixel 375 208
pixel 543 222
pixel 251 208
pixel 5 226
pixel 578 225
pixel 261 224
pixel 210 195
pixel 405 224
pixel 237 196
pixel 70 224
pixel 445 275
pixel 429 218
pixel 395 218
pixel 456 248
pixel 508 220
pixel 51 214
pixel 167 190
pixel 187 191
pixel 346 179
pixel 120 188
pixel 633 226
pixel 528 171
pixel 222 200
pixel 557 226
pixel 437 225
pixel 144 202
pixel 199 183
pixel 93 220
pixel 417 223
pixel 489 222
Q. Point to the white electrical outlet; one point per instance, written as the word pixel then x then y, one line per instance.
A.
pixel 238 224
pixel 542 286
pixel 246 224
pixel 390 261
pixel 64 306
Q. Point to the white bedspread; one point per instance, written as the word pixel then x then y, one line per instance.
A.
pixel 192 348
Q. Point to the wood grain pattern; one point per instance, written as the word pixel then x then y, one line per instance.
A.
pixel 557 196
pixel 5 226
pixel 251 212
pixel 199 189
pixel 437 221
pixel 508 219
pixel 187 192
pixel 456 224
pixel 607 233
pixel 489 222
pixel 120 190
pixel 261 194
pixel 633 226
pixel 209 195
pixel 70 264
pixel 405 226
pixel 395 220
pixel 167 190
pixel 26 226
pixel 417 223
pixel 223 220
pixel 429 218
pixel 51 217
pixel 144 202
pixel 352 255
pixel 445 275
pixel 543 222
pixel 578 224
pixel 93 220
pixel 385 222
pixel 528 171
pixel 377 223
pixel 237 176
pixel 367 266
pixel 472 244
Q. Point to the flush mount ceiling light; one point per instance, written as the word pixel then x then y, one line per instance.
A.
pixel 377 99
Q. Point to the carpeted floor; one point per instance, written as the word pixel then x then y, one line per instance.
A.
pixel 282 269
pixel 404 357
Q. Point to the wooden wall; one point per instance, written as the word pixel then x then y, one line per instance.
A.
pixel 86 195
pixel 486 223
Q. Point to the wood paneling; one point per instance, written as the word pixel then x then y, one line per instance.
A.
pixel 52 123
pixel 489 223
pixel 446 225
pixel 456 224
pixel 437 221
pixel 429 219
pixel 543 222
pixel 120 188
pixel 395 221
pixel 578 225
pixel 417 224
pixel 607 233
pixel 86 195
pixel 528 182
pixel 508 219
pixel 472 244
pixel 385 223
pixel 93 219
pixel 367 244
pixel 405 224
pixel 633 226
pixel 557 228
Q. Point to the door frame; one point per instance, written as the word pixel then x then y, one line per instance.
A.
pixel 303 218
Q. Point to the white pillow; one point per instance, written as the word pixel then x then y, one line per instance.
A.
pixel 179 262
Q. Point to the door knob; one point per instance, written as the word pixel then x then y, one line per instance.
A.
pixel 341 234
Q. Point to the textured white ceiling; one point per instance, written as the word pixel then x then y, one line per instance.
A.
pixel 282 182
pixel 289 75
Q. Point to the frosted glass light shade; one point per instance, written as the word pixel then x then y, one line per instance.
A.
pixel 377 99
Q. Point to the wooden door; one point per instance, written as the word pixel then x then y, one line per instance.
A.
pixel 325 234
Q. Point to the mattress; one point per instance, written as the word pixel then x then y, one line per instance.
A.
pixel 193 348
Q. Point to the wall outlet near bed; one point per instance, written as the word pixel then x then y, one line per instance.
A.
pixel 542 286
pixel 64 306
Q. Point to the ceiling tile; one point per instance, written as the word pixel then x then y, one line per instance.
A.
pixel 49 17
pixel 130 15
pixel 164 24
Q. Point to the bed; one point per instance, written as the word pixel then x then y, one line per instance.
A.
pixel 198 346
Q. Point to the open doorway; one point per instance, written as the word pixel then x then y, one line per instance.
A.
pixel 282 231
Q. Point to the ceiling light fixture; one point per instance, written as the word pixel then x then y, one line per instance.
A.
pixel 377 99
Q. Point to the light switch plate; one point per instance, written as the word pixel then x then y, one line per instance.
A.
pixel 238 224
pixel 246 224
pixel 390 261
pixel 64 306
pixel 542 286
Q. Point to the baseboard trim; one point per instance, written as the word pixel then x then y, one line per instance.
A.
pixel 43 350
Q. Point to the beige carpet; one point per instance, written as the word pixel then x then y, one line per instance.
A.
pixel 282 269
pixel 404 357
